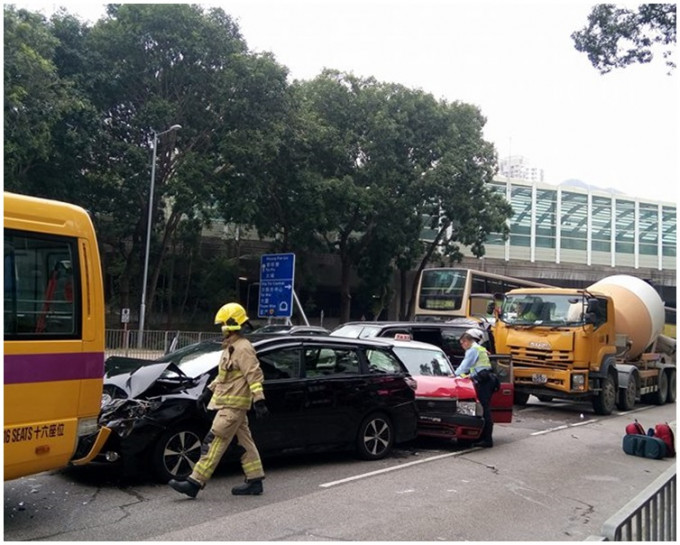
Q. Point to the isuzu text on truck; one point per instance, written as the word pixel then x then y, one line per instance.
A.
pixel 602 344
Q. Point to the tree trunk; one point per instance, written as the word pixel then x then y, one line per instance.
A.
pixel 168 232
pixel 169 290
pixel 345 295
pixel 421 266
pixel 403 311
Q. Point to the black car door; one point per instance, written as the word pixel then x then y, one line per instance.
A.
pixel 284 428
pixel 334 386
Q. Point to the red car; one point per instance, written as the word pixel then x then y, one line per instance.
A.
pixel 447 406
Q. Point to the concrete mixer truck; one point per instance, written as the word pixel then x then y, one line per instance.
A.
pixel 602 344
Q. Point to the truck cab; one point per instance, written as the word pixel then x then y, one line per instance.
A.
pixel 562 343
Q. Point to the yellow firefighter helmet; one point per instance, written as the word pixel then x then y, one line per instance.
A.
pixel 231 317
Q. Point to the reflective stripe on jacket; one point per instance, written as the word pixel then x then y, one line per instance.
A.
pixel 239 379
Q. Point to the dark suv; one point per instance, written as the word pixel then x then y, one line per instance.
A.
pixel 445 335
pixel 323 393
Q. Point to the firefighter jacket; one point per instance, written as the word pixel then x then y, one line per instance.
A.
pixel 239 379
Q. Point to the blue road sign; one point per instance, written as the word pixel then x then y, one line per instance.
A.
pixel 277 275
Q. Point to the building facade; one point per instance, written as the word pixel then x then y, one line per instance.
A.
pixel 577 236
pixel 519 167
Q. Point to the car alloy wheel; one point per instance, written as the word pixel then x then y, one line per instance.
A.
pixel 376 437
pixel 176 453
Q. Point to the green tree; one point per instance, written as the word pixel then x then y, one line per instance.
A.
pixel 617 37
pixel 462 209
pixel 146 68
pixel 46 117
pixel 380 159
pixel 364 159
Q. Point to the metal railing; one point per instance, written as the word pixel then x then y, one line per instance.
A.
pixel 123 342
pixel 649 516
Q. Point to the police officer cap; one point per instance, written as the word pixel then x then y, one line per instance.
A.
pixel 475 333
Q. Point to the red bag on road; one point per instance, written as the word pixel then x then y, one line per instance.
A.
pixel 635 428
pixel 665 433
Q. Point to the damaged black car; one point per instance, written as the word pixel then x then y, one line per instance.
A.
pixel 323 393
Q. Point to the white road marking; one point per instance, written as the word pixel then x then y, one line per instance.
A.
pixel 584 423
pixel 395 468
pixel 549 430
pixel 455 454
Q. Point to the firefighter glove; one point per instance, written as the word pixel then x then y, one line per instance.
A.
pixel 261 410
pixel 204 399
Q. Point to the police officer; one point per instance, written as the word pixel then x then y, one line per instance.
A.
pixel 477 364
pixel 238 385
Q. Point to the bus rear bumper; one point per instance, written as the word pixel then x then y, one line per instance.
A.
pixel 97 445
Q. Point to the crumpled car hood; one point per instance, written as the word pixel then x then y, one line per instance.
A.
pixel 136 382
pixel 460 388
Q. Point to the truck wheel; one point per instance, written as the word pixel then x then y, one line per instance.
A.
pixel 521 398
pixel 661 395
pixel 670 398
pixel 605 401
pixel 627 396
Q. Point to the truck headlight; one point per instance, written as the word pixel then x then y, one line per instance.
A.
pixel 468 408
pixel 578 382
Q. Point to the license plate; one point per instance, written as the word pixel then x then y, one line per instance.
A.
pixel 539 378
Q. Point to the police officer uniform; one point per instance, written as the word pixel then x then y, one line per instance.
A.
pixel 477 364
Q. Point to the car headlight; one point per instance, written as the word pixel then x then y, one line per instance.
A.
pixel 468 408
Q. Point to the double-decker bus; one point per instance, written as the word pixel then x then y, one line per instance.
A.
pixel 53 336
pixel 446 293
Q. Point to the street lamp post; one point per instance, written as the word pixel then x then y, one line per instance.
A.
pixel 142 308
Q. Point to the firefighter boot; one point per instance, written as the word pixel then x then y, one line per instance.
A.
pixel 188 487
pixel 251 487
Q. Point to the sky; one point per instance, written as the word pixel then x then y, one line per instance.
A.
pixel 514 60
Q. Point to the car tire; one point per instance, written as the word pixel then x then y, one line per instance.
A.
pixel 375 438
pixel 176 452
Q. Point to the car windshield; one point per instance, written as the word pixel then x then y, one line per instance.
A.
pixel 273 328
pixel 426 362
pixel 357 331
pixel 196 359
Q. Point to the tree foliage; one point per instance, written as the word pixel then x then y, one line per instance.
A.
pixel 338 164
pixel 617 37
pixel 155 66
pixel 47 118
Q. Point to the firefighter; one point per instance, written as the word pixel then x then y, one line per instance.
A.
pixel 477 364
pixel 238 385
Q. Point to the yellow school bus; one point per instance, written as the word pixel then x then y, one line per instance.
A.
pixel 53 336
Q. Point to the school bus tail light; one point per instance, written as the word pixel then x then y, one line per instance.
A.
pixel 87 426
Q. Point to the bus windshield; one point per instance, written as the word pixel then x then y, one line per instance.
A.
pixel 442 289
pixel 446 293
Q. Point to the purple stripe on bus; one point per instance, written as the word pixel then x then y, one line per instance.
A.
pixel 48 367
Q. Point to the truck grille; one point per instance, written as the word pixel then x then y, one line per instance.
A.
pixel 534 357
